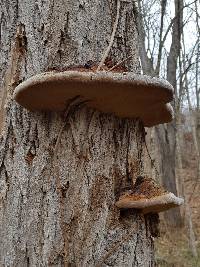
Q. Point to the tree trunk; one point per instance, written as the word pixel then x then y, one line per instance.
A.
pixel 59 210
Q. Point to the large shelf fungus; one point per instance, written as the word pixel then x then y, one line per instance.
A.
pixel 148 197
pixel 127 95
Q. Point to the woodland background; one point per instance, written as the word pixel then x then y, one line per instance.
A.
pixel 169 34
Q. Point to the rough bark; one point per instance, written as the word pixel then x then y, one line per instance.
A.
pixel 58 210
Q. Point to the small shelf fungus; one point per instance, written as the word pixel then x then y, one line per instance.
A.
pixel 127 95
pixel 148 197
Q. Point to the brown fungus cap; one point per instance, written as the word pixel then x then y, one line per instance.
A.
pixel 148 197
pixel 127 95
pixel 149 205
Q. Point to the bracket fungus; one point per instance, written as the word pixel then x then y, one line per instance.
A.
pixel 127 95
pixel 148 197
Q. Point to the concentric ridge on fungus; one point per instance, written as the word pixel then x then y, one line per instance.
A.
pixel 127 95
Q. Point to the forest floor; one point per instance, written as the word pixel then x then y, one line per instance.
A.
pixel 172 247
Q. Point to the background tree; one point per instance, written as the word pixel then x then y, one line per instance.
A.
pixel 165 134
pixel 169 47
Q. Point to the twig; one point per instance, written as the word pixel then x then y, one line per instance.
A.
pixel 111 38
pixel 75 103
pixel 119 63
pixel 59 136
pixel 114 248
